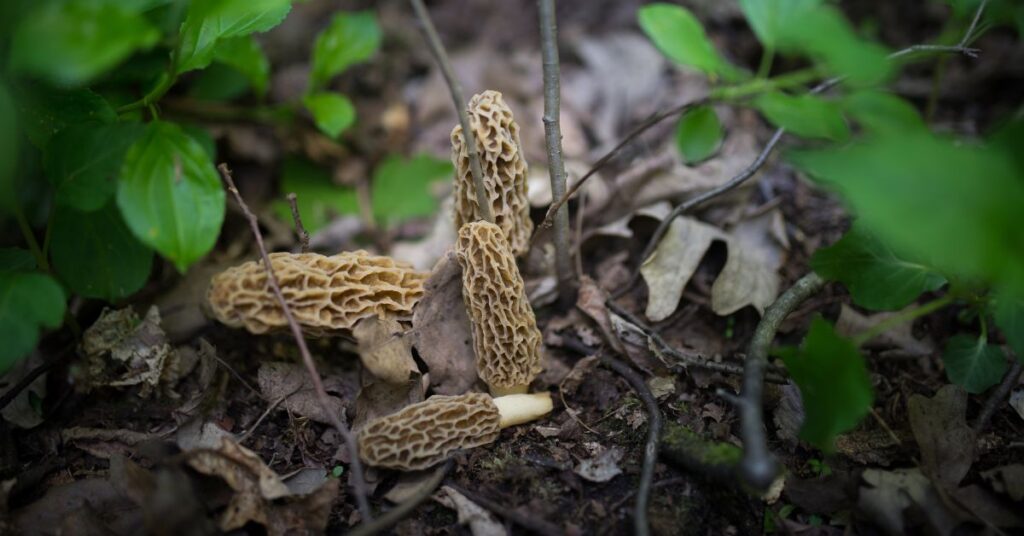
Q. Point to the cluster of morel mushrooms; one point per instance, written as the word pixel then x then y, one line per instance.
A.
pixel 329 295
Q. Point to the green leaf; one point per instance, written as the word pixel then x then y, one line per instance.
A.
pixel 876 277
pixel 332 112
pixel 28 303
pixel 769 18
pixel 822 33
pixel 170 194
pixel 680 36
pixel 1009 316
pixel 73 41
pixel 878 111
pixel 83 162
pixel 16 260
pixel 972 363
pixel 953 206
pixel 319 199
pixel 401 188
pixel 96 255
pixel 245 55
pixel 699 134
pixel 351 38
pixel 210 21
pixel 202 137
pixel 219 82
pixel 804 115
pixel 9 137
pixel 833 383
pixel 44 111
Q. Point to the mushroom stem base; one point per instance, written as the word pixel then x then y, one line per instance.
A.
pixel 521 408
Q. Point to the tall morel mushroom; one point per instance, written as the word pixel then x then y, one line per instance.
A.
pixel 505 335
pixel 424 434
pixel 325 294
pixel 501 157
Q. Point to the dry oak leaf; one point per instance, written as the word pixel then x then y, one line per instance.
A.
pixel 325 294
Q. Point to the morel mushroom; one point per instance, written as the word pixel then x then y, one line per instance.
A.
pixel 504 168
pixel 424 434
pixel 325 294
pixel 505 335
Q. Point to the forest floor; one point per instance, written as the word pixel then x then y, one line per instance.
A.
pixel 89 449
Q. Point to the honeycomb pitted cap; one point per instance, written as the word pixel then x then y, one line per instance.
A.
pixel 505 335
pixel 504 169
pixel 424 434
pixel 325 294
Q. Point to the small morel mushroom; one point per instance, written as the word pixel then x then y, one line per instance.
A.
pixel 325 294
pixel 504 168
pixel 424 434
pixel 505 335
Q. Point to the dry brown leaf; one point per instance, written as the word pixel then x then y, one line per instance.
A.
pixel 852 323
pixel 258 492
pixel 384 349
pixel 750 275
pixel 480 521
pixel 290 383
pixel 591 300
pixel 602 467
pixel 940 427
pixel 442 330
pixel 377 399
pixel 891 492
pixel 676 258
pixel 118 340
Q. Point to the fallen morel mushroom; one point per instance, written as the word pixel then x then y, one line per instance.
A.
pixel 326 294
pixel 505 335
pixel 424 434
pixel 504 168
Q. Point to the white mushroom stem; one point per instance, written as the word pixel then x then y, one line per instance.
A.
pixel 521 408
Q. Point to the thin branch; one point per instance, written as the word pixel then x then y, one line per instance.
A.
pixel 293 203
pixel 396 514
pixel 359 484
pixel 437 49
pixel 643 493
pixel 758 467
pixel 553 136
pixel 533 524
pixel 997 396
pixel 638 130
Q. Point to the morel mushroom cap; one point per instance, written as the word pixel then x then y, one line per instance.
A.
pixel 505 335
pixel 325 294
pixel 424 434
pixel 504 168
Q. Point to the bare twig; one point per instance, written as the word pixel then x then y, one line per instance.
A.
pixel 553 136
pixel 997 396
pixel 643 493
pixel 12 393
pixel 758 467
pixel 638 130
pixel 299 228
pixel 396 514
pixel 359 484
pixel 533 524
pixel 441 56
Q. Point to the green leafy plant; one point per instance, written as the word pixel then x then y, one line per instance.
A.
pixel 86 156
pixel 934 213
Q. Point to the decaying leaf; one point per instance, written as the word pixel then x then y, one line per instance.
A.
pixel 480 521
pixel 749 277
pixel 378 398
pixel 669 268
pixel 889 493
pixel 21 411
pixel 260 495
pixel 290 383
pixel 901 337
pixel 442 330
pixel 940 427
pixel 121 351
pixel 602 467
pixel 384 349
